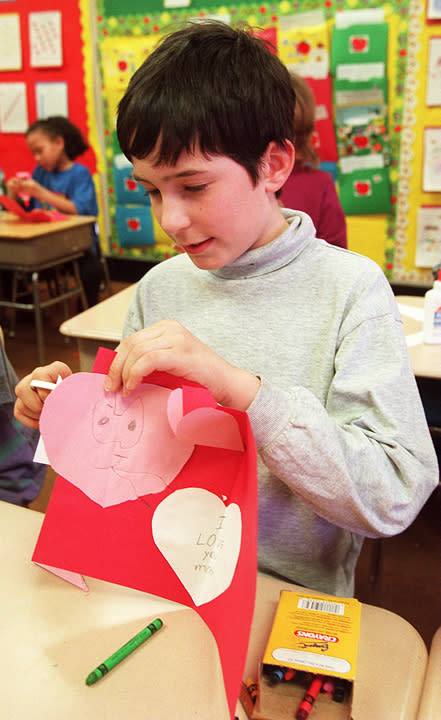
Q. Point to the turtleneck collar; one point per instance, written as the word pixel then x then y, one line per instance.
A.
pixel 276 254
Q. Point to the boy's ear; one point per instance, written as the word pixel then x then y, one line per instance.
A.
pixel 277 164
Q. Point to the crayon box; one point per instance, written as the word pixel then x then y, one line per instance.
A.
pixel 313 643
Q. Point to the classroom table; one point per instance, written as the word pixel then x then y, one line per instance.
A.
pixel 425 358
pixel 99 326
pixel 29 248
pixel 54 634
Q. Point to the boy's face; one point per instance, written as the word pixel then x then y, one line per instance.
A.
pixel 46 150
pixel 210 207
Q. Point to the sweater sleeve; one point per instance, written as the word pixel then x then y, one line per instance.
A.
pixel 363 459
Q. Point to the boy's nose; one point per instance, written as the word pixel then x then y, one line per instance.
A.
pixel 174 216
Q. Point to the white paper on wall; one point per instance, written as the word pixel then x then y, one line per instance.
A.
pixel 45 39
pixel 51 99
pixel 13 108
pixel 433 11
pixel 432 159
pixel 433 89
pixel 428 245
pixel 10 42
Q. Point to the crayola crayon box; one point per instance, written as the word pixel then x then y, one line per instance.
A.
pixel 309 665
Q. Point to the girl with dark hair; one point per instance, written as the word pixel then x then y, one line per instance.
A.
pixel 61 183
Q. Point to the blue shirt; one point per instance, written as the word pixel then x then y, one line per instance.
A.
pixel 75 184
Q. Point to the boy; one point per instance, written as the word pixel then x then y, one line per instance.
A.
pixel 304 336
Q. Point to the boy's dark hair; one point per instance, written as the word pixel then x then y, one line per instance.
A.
pixel 304 121
pixel 211 87
pixel 59 126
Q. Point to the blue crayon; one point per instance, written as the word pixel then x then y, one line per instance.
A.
pixel 274 673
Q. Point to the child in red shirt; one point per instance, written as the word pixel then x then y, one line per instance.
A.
pixel 308 188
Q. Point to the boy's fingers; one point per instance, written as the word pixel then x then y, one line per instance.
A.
pixel 23 414
pixel 30 400
pixel 113 379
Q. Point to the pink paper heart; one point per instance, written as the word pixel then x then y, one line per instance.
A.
pixel 113 448
pixel 204 425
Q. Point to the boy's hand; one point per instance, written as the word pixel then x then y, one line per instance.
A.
pixel 167 346
pixel 29 403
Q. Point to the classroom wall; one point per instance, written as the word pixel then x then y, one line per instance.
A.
pixel 404 237
pixel 46 68
pixel 385 229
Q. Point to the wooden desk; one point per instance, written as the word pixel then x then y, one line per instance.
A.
pixel 425 359
pixel 53 634
pixel 34 247
pixel 100 325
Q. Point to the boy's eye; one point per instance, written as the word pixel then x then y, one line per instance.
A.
pixel 151 192
pixel 195 188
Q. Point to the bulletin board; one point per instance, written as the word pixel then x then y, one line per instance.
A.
pixel 46 69
pixel 382 226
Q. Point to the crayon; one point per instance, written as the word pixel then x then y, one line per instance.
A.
pixel 289 674
pixel 252 690
pixel 328 685
pixel 125 650
pixel 274 673
pixel 339 690
pixel 309 698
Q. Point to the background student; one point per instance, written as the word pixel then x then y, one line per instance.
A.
pixel 308 188
pixel 61 183
pixel 303 336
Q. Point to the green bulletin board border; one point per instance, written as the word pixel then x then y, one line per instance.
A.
pixel 135 20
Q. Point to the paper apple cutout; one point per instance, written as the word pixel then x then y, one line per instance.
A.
pixel 361 141
pixel 362 188
pixel 133 224
pixel 131 184
pixel 359 43
pixel 303 47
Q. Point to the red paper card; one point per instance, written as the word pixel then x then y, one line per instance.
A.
pixel 35 215
pixel 194 541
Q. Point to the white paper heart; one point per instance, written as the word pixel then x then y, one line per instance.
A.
pixel 200 538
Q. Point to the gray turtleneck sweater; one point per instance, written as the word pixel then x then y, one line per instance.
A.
pixel 344 449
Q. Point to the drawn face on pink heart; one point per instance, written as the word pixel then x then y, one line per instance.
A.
pixel 113 448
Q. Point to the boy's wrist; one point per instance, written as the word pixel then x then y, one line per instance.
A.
pixel 242 388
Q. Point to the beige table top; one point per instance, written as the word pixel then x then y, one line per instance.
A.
pixel 53 635
pixel 425 358
pixel 103 321
pixel 430 706
pixel 12 226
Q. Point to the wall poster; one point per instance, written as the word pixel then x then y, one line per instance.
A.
pixel 363 57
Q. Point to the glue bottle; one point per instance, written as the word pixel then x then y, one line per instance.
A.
pixel 432 313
